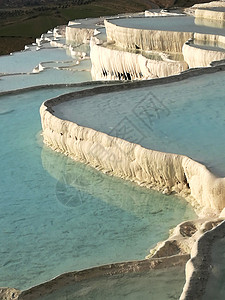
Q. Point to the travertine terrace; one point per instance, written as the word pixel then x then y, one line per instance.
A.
pixel 134 55
pixel 165 172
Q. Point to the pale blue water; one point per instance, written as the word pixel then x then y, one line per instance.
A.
pixel 180 23
pixel 49 76
pixel 60 67
pixel 57 215
pixel 26 61
pixel 154 284
pixel 187 117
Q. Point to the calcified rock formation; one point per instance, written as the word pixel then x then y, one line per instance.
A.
pixel 210 22
pixel 199 268
pixel 209 5
pixel 113 64
pixel 198 57
pixel 210 14
pixel 9 293
pixel 191 10
pixel 79 35
pixel 162 41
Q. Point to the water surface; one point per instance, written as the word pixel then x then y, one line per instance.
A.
pixel 57 215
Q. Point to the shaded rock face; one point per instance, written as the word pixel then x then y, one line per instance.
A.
pixel 118 65
pixel 9 294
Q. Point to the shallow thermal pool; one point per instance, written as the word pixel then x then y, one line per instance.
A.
pixel 60 66
pixel 187 117
pixel 155 284
pixel 57 215
pixel 26 61
pixel 49 76
pixel 179 23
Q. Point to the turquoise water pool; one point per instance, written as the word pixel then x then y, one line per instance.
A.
pixel 57 215
pixel 49 76
pixel 26 61
pixel 187 117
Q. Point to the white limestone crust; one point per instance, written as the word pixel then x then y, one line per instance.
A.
pixel 198 57
pixel 131 38
pixel 79 35
pixel 108 63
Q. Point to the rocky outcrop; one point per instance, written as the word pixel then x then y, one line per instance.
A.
pixel 199 267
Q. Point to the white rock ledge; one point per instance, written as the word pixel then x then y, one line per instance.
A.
pixel 198 268
pixel 112 64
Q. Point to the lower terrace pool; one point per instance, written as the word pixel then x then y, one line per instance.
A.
pixel 187 117
pixel 58 215
pixel 49 76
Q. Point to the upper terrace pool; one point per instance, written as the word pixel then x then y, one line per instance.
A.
pixel 180 23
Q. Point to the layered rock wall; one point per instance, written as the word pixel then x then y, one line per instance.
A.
pixel 79 35
pixel 210 4
pixel 198 57
pixel 130 38
pixel 210 14
pixel 114 65
pixel 211 38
